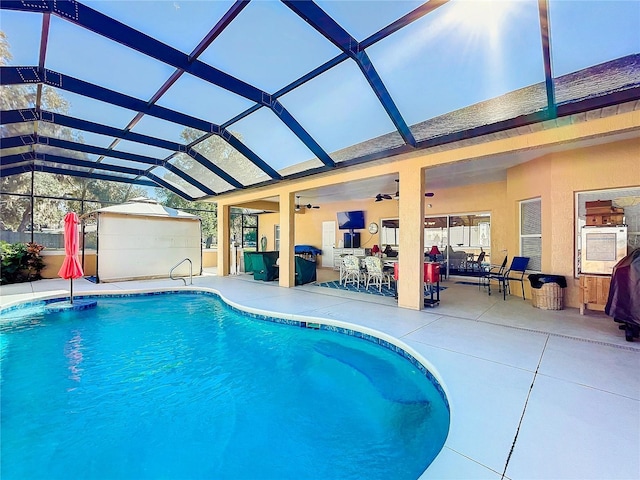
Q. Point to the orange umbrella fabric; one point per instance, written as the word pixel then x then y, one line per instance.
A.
pixel 71 267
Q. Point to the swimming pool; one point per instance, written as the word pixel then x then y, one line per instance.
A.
pixel 182 386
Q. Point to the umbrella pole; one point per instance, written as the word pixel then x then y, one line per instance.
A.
pixel 71 296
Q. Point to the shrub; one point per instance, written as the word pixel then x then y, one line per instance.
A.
pixel 21 262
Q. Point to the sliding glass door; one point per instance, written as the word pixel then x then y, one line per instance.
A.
pixel 463 240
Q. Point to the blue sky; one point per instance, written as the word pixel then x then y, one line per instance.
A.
pixel 461 54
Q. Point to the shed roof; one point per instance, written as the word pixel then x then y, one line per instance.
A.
pixel 145 208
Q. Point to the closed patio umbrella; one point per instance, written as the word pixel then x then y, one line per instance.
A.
pixel 71 267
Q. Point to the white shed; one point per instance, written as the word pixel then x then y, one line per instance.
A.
pixel 142 239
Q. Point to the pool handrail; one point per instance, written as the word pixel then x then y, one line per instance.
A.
pixel 187 259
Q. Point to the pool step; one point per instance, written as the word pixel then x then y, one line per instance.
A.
pixel 65 305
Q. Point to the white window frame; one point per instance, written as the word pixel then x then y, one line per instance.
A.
pixel 627 197
pixel 522 236
pixel 276 236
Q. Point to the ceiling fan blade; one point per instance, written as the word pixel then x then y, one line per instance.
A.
pixel 383 196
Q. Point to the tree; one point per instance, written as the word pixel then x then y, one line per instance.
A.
pixel 214 149
pixel 207 211
pixel 16 210
pixel 223 155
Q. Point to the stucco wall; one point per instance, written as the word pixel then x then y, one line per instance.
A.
pixel 555 179
pixel 53 262
pixel 308 224
pixel 487 197
pixel 209 257
pixel 266 223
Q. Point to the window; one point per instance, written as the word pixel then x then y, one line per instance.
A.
pixel 390 232
pixel 276 236
pixel 531 233
pixel 627 199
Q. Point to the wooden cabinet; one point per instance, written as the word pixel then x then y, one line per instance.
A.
pixel 594 292
pixel 337 258
pixel 338 253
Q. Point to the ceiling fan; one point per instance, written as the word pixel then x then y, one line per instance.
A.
pixel 396 196
pixel 299 206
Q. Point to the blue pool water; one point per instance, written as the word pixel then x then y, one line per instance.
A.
pixel 182 386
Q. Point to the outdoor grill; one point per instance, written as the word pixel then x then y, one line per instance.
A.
pixel 624 295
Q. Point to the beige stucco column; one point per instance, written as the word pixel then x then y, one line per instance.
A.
pixel 287 239
pixel 224 234
pixel 411 242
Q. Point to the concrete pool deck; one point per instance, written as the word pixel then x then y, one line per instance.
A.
pixel 533 393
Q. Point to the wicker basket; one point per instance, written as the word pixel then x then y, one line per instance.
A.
pixel 548 297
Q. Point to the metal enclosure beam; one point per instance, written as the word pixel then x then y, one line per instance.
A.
pixel 106 26
pixel 332 31
pixel 25 75
pixel 27 115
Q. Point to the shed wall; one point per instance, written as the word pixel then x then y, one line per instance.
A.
pixel 133 247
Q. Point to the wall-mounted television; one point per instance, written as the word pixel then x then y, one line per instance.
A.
pixel 353 220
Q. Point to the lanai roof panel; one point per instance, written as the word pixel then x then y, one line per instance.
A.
pixel 190 21
pixel 22 30
pixel 339 108
pixel 229 159
pixel 201 99
pixel 606 30
pixel 195 169
pixel 290 88
pixel 362 19
pixel 277 47
pixel 77 52
pixel 271 140
pixel 159 128
pixel 96 111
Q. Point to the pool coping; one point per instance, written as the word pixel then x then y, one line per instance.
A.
pixel 395 345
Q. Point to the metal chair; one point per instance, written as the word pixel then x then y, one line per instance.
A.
pixel 476 265
pixel 516 273
pixel 493 272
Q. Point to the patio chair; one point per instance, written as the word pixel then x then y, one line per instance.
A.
pixel 493 272
pixel 351 270
pixel 376 273
pixel 476 265
pixel 514 273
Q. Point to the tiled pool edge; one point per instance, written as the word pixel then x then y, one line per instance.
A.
pixel 344 328
pixel 340 327
pixel 384 340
